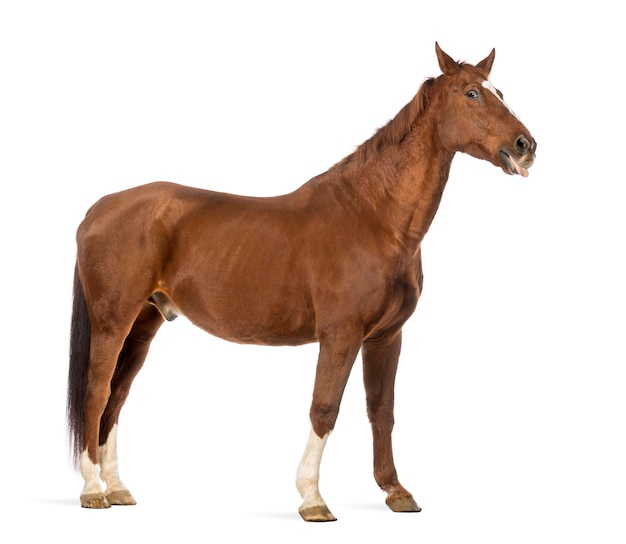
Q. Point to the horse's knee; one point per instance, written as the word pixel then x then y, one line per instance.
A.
pixel 323 418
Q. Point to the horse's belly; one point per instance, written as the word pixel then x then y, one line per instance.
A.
pixel 243 331
pixel 250 316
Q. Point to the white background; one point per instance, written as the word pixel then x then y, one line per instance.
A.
pixel 510 395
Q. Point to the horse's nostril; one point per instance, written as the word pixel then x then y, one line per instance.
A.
pixel 522 144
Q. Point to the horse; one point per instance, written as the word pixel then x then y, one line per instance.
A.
pixel 337 261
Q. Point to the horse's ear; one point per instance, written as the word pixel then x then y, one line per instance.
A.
pixel 446 62
pixel 486 64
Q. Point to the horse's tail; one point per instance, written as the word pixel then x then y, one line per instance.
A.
pixel 80 338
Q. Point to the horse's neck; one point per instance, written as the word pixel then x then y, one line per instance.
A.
pixel 422 183
pixel 404 184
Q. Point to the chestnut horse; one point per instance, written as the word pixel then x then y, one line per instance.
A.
pixel 337 262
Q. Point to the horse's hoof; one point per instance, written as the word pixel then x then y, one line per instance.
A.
pixel 121 498
pixel 317 513
pixel 94 500
pixel 403 504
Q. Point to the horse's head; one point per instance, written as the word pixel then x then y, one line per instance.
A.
pixel 474 118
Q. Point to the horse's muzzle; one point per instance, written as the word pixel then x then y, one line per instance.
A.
pixel 519 160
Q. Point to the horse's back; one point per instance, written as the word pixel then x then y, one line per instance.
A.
pixel 142 205
pixel 146 216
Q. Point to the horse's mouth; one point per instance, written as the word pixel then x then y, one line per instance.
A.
pixel 511 165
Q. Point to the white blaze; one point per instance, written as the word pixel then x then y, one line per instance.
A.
pixel 489 86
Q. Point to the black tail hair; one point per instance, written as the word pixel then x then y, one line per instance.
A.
pixel 80 339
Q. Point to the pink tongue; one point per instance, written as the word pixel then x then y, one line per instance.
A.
pixel 519 169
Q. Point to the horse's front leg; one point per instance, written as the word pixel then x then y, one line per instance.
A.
pixel 307 481
pixel 337 354
pixel 380 362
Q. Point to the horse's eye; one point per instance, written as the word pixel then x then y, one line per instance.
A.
pixel 472 94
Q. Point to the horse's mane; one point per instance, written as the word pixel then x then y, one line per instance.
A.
pixel 395 130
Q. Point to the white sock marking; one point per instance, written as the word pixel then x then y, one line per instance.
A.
pixel 308 476
pixel 91 475
pixel 108 460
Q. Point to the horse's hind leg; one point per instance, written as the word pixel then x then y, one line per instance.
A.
pixel 380 362
pixel 103 354
pixel 129 363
